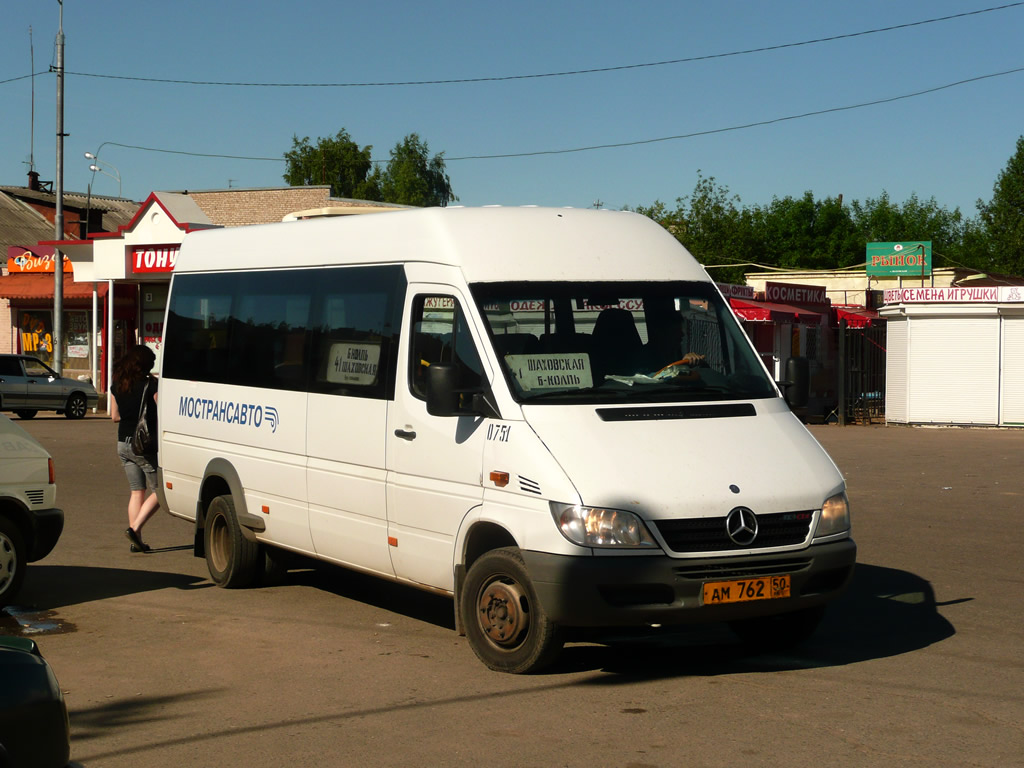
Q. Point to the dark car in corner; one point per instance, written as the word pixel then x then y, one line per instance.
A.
pixel 34 726
pixel 28 385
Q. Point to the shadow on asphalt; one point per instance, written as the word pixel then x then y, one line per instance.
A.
pixel 48 587
pixel 380 593
pixel 884 612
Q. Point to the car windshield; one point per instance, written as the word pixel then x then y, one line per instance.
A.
pixel 619 342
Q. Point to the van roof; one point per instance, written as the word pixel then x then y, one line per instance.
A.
pixel 489 244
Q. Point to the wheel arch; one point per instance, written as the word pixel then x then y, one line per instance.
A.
pixel 18 514
pixel 222 479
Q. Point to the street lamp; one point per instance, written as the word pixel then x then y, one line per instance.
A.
pixel 95 168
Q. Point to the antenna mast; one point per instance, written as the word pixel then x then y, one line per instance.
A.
pixel 32 119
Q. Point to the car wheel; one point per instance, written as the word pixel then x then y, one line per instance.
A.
pixel 505 623
pixel 76 406
pixel 780 632
pixel 26 413
pixel 232 559
pixel 12 560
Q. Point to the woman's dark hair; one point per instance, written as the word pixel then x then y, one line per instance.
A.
pixel 133 367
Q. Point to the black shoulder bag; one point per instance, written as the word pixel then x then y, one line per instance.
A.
pixel 144 438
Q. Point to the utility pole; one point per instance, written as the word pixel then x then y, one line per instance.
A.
pixel 58 217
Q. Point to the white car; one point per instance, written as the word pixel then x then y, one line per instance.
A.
pixel 30 523
pixel 28 385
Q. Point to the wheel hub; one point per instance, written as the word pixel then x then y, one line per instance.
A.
pixel 501 615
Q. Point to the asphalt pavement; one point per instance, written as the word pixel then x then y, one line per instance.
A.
pixel 920 663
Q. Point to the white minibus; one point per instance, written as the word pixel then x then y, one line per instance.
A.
pixel 551 415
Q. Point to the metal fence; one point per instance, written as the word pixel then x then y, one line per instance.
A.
pixel 861 374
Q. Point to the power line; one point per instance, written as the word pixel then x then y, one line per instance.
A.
pixel 638 142
pixel 193 154
pixel 566 73
pixel 738 127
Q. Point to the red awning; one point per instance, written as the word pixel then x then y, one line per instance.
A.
pixel 856 317
pixel 39 285
pixel 769 312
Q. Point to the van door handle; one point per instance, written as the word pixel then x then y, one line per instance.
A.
pixel 405 434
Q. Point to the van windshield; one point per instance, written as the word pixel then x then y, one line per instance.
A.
pixel 619 342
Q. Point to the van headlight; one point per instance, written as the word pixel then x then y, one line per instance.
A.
pixel 835 516
pixel 600 527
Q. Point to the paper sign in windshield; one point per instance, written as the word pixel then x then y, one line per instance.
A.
pixel 554 371
pixel 352 363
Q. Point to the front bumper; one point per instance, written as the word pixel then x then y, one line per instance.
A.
pixel 634 591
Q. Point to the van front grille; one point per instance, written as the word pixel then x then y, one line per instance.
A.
pixel 747 570
pixel 708 534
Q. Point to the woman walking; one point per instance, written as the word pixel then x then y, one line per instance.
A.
pixel 132 381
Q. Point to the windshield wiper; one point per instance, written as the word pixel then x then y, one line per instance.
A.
pixel 573 394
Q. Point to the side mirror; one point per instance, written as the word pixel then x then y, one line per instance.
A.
pixel 442 395
pixel 444 398
pixel 797 386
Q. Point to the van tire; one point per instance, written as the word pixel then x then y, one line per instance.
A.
pixel 26 413
pixel 780 632
pixel 505 624
pixel 13 558
pixel 233 560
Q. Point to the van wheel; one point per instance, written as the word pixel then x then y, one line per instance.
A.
pixel 505 623
pixel 12 560
pixel 780 632
pixel 76 407
pixel 26 413
pixel 232 559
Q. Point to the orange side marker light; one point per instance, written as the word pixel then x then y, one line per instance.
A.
pixel 500 479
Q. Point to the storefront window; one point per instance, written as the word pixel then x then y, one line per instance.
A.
pixel 37 334
pixel 76 342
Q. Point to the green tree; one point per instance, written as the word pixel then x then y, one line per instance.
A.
pixel 1003 217
pixel 806 233
pixel 337 161
pixel 713 226
pixel 412 177
pixel 881 220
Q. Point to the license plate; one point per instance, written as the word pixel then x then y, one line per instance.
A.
pixel 741 590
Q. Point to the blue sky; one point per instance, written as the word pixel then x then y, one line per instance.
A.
pixel 949 144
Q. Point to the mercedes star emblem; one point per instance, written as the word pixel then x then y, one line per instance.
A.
pixel 741 525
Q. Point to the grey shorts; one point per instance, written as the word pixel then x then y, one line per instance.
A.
pixel 140 470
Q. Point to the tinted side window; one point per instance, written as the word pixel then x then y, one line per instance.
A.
pixel 267 330
pixel 356 319
pixel 440 335
pixel 36 368
pixel 9 366
pixel 321 330
pixel 197 328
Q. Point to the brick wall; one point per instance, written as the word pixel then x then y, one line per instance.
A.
pixel 8 322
